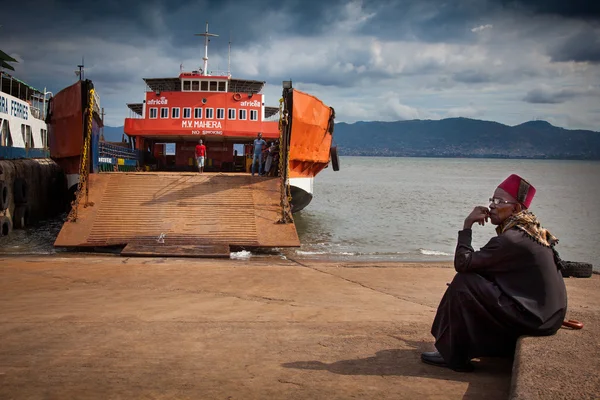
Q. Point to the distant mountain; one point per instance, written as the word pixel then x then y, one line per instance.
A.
pixel 455 137
pixel 463 137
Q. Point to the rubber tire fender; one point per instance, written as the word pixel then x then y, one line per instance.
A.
pixel 5 226
pixel 21 216
pixel 20 191
pixel 576 269
pixel 335 159
pixel 3 196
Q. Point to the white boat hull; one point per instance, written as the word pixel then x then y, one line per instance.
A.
pixel 302 192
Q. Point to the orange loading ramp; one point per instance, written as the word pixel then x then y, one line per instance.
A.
pixel 179 214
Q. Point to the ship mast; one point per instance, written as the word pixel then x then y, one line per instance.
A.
pixel 206 40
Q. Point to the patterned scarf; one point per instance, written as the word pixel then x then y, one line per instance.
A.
pixel 528 223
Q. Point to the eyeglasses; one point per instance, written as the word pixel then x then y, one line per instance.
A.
pixel 496 201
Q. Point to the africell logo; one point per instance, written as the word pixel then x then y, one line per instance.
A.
pixel 162 100
pixel 253 103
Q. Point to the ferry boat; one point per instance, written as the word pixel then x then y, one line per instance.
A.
pixel 23 131
pixel 227 114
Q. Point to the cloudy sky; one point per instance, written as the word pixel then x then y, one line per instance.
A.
pixel 503 60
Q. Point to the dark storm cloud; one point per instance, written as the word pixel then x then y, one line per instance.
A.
pixel 547 95
pixel 582 46
pixel 586 9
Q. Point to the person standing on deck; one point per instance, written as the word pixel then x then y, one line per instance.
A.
pixel 257 154
pixel 200 155
pixel 510 287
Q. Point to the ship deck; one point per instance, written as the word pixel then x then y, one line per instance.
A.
pixel 179 214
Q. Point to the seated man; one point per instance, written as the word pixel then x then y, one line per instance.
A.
pixel 510 287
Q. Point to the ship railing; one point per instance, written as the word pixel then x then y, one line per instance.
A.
pixel 216 72
pixel 109 150
pixel 272 118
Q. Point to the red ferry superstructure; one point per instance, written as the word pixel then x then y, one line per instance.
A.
pixel 225 111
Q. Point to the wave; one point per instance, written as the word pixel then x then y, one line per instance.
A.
pixel 426 252
pixel 318 253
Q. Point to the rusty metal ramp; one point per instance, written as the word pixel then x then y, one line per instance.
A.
pixel 179 214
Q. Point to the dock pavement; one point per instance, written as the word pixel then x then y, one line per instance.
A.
pixel 76 326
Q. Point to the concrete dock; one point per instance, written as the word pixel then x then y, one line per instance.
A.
pixel 102 327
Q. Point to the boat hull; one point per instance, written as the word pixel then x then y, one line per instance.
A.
pixel 301 190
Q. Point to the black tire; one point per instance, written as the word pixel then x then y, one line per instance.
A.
pixel 576 269
pixel 3 196
pixel 21 217
pixel 20 191
pixel 5 226
pixel 335 160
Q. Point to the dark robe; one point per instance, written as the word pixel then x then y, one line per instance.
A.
pixel 511 287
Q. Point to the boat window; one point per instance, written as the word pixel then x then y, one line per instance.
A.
pixel 220 113
pixel 187 112
pixel 204 86
pixel 153 112
pixel 6 138
pixel 195 86
pixel 175 112
pixel 29 143
pixel 231 113
pixel 242 115
pixel 186 86
pixel 209 113
pixel 222 87
pixel 164 112
pixel 253 115
pixel 44 136
pixel 213 86
pixel 197 113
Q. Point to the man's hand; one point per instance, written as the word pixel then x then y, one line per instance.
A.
pixel 479 214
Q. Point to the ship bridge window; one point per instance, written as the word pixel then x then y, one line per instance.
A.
pixel 253 115
pixel 187 112
pixel 213 86
pixel 197 113
pixel 242 115
pixel 222 87
pixel 186 86
pixel 175 112
pixel 231 113
pixel 195 86
pixel 220 113
pixel 153 112
pixel 204 86
pixel 209 113
pixel 164 112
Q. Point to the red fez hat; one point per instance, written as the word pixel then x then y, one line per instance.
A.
pixel 518 188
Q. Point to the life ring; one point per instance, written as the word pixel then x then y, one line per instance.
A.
pixel 237 97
